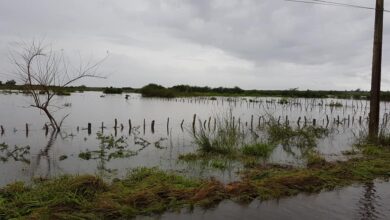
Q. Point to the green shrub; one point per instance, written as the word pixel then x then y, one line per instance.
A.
pixel 154 90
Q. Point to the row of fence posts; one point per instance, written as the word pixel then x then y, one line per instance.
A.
pixel 207 123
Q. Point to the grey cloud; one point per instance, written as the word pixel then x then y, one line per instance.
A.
pixel 270 43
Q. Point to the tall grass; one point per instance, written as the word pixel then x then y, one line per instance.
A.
pixel 229 138
pixel 287 135
pixel 225 138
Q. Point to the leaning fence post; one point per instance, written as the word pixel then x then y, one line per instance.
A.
pixel 193 122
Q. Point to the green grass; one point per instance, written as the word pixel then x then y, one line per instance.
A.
pixel 302 137
pixel 263 150
pixel 315 159
pixel 146 191
pixel 227 137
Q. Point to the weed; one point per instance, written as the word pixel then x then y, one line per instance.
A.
pixel 258 149
pixel 219 164
pixel 226 139
pixel 190 156
pixel 314 159
pixel 283 101
pixel 335 104
pixel 63 157
pixel 16 153
pixel 302 137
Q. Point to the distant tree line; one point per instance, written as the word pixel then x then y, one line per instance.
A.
pixel 8 82
pixel 155 90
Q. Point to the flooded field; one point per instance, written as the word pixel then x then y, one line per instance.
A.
pixel 128 131
pixel 34 152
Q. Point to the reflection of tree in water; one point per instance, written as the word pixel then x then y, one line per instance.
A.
pixel 22 154
pixel 44 155
pixel 368 202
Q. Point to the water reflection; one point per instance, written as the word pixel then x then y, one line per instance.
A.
pixel 44 155
pixel 368 202
pixel 345 203
pixel 153 119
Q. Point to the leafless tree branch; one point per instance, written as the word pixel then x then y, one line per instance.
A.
pixel 43 72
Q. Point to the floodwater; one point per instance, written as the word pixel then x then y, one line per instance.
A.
pixel 365 202
pixel 51 155
pixel 39 154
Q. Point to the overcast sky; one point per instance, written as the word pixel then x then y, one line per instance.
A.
pixel 253 44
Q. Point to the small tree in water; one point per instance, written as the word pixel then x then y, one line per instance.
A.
pixel 44 72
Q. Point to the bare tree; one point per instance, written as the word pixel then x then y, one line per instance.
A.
pixel 44 71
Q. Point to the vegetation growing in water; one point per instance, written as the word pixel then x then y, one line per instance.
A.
pixel 302 137
pixel 335 104
pixel 258 149
pixel 231 139
pixel 146 191
pixel 109 148
pixel 16 153
pixel 226 138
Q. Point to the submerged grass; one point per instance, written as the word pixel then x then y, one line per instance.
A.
pixel 246 145
pixel 146 191
pixel 302 137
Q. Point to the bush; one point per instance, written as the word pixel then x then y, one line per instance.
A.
pixel 112 90
pixel 154 90
pixel 10 82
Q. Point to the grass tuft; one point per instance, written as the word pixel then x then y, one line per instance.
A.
pixel 263 150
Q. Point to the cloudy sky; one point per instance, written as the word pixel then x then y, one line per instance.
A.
pixel 253 44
